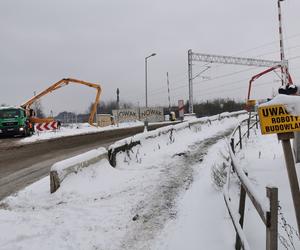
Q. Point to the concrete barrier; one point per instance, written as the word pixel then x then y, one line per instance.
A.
pixel 60 170
pixel 125 145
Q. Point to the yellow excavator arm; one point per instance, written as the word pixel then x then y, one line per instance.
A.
pixel 62 83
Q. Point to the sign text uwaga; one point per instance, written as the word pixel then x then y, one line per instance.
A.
pixel 275 119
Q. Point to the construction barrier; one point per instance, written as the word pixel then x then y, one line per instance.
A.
pixel 141 114
pixel 104 120
pixel 45 126
pixel 152 114
pixel 126 144
pixel 126 115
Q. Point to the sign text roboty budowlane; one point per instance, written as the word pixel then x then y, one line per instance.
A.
pixel 282 119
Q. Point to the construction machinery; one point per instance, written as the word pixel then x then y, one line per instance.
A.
pixel 289 81
pixel 63 82
pixel 14 121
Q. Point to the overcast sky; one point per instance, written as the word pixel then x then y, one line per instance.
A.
pixel 106 42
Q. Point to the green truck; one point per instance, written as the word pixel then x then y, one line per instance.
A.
pixel 14 121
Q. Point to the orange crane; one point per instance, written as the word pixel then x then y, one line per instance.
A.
pixel 55 86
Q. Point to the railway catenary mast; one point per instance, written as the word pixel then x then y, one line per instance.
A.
pixel 284 68
pixel 209 58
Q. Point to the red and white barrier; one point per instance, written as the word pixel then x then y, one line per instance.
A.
pixel 45 126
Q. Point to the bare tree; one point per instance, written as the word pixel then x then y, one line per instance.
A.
pixel 38 108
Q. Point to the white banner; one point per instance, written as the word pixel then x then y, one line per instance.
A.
pixel 181 108
pixel 152 114
pixel 126 115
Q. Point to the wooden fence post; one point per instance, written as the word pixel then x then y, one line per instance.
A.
pixel 232 145
pixel 248 125
pixel 272 219
pixel 256 120
pixel 291 170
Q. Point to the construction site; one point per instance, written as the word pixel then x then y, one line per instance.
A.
pixel 150 125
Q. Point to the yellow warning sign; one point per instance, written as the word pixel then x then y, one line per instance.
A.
pixel 275 119
pixel 251 102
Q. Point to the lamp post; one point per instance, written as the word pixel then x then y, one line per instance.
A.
pixel 146 90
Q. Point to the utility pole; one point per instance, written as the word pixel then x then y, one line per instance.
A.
pixel 190 72
pixel 169 92
pixel 118 98
pixel 146 78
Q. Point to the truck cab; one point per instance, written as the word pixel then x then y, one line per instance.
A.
pixel 14 121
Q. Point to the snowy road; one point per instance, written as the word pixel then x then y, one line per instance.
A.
pixel 22 164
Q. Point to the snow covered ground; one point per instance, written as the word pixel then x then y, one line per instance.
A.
pixel 78 129
pixel 84 128
pixel 75 129
pixel 160 196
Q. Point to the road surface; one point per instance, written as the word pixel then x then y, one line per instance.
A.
pixel 22 164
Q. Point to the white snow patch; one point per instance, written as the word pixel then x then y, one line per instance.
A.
pixel 94 209
pixel 291 102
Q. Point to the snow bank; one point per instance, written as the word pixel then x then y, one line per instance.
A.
pixel 291 102
pixel 114 208
pixel 60 170
pixel 124 144
pixel 75 129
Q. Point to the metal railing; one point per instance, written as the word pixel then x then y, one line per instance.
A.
pixel 268 211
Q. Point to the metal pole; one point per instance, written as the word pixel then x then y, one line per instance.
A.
pixel 232 145
pixel 240 137
pixel 256 121
pixel 248 125
pixel 169 92
pixel 146 82
pixel 282 56
pixel 190 72
pixel 242 203
pixel 146 88
pixel 118 98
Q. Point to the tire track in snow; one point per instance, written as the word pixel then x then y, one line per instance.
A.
pixel 159 205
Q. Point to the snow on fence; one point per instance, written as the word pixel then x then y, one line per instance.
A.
pixel 267 212
pixel 128 143
pixel 60 170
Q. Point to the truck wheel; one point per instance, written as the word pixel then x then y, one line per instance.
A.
pixel 26 132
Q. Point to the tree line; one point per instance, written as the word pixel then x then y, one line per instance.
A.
pixel 207 108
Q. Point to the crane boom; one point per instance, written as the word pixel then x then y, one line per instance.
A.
pixel 62 83
pixel 290 81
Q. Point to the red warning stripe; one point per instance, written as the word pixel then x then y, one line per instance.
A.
pixel 46 126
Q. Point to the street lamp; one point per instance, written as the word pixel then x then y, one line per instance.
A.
pixel 153 54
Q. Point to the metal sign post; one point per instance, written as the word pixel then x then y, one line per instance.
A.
pixel 276 119
pixel 181 109
pixel 292 174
